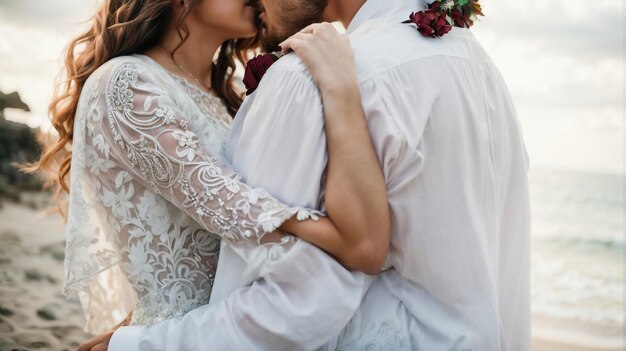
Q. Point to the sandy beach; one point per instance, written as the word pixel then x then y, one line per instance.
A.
pixel 551 335
pixel 34 315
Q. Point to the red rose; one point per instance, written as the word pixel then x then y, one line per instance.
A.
pixel 457 17
pixel 255 70
pixel 430 23
pixel 442 26
pixel 435 21
pixel 435 6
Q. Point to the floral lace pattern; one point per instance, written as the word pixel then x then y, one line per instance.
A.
pixel 151 197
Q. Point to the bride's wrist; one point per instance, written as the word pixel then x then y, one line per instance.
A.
pixel 340 88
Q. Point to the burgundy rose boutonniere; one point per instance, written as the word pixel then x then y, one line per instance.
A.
pixel 430 23
pixel 255 70
pixel 441 15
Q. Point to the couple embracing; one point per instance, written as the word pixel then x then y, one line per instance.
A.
pixel 368 193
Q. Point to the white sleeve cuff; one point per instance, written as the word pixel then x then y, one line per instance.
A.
pixel 126 338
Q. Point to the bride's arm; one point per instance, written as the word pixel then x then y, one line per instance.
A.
pixel 356 197
pixel 151 139
pixel 153 142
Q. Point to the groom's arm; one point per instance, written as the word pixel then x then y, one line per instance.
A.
pixel 306 297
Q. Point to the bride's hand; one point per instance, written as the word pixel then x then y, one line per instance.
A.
pixel 101 342
pixel 327 55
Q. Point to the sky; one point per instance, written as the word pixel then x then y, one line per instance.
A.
pixel 562 59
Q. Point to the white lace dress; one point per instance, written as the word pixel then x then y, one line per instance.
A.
pixel 151 197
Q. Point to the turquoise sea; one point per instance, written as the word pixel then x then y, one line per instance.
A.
pixel 577 247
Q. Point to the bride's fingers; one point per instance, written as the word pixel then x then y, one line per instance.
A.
pixel 310 29
pixel 100 347
pixel 294 42
pixel 298 35
pixel 324 31
pixel 317 27
pixel 89 344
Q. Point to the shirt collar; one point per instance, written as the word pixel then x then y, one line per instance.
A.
pixel 393 9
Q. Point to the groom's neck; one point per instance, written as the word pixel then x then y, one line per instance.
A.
pixel 342 10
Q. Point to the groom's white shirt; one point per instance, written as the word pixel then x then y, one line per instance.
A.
pixel 448 138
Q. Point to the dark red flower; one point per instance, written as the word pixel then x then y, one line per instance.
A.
pixel 435 6
pixel 255 70
pixel 442 26
pixel 431 23
pixel 435 21
pixel 461 18
pixel 457 17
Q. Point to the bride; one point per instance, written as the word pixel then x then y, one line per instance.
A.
pixel 142 120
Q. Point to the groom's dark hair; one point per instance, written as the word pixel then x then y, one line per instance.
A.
pixel 296 14
pixel 301 13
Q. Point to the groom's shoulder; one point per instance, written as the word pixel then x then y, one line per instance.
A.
pixel 385 46
pixel 289 64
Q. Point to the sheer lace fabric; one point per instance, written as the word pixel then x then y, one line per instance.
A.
pixel 151 197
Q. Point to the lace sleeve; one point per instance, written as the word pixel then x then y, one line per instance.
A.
pixel 152 139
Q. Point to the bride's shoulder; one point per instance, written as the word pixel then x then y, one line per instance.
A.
pixel 118 80
pixel 128 64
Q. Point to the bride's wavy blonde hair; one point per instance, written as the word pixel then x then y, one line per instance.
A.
pixel 121 27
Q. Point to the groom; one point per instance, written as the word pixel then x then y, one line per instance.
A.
pixel 447 136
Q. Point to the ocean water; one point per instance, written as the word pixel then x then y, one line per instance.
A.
pixel 577 247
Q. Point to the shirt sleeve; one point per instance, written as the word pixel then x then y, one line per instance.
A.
pixel 153 140
pixel 304 301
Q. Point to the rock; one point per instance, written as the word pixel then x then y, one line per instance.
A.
pixel 32 275
pixel 56 250
pixel 46 314
pixel 70 335
pixel 12 100
pixel 6 312
pixel 31 340
pixel 18 144
pixel 9 345
pixel 39 344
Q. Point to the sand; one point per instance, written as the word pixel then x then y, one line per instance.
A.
pixel 33 312
pixel 553 335
pixel 34 315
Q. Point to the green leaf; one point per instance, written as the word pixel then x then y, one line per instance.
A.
pixel 463 2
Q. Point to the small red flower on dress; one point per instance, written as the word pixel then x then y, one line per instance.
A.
pixel 255 70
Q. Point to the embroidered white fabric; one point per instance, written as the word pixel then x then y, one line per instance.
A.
pixel 151 197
